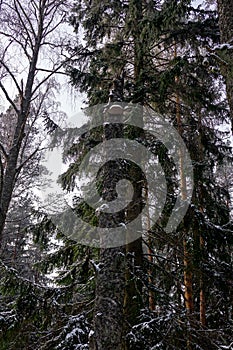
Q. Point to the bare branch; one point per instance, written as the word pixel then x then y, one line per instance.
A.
pixel 22 43
pixel 26 16
pixel 23 148
pixel 1 174
pixel 55 70
pixel 28 159
pixel 6 48
pixel 52 7
pixel 37 112
pixel 8 98
pixel 12 76
pixel 47 32
pixel 24 26
pixel 3 151
pixel 51 71
pixel 35 8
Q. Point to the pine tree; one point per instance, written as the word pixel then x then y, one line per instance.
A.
pixel 225 50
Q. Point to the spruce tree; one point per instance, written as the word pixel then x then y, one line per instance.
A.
pixel 160 52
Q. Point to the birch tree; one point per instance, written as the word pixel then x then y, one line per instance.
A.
pixel 32 50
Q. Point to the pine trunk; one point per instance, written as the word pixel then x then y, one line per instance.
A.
pixel 188 294
pixel 151 296
pixel 188 273
pixel 202 306
pixel 225 11
pixel 188 277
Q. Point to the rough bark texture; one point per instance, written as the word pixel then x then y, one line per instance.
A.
pixel 134 253
pixel 188 288
pixel 151 296
pixel 188 284
pixel 188 271
pixel 225 11
pixel 202 306
pixel 108 323
pixel 133 290
pixel 108 315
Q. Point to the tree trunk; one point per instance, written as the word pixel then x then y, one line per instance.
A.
pixel 202 290
pixel 10 173
pixel 108 322
pixel 134 253
pixel 187 260
pixel 202 306
pixel 134 256
pixel 108 313
pixel 225 10
pixel 188 294
pixel 9 176
pixel 133 288
pixel 151 295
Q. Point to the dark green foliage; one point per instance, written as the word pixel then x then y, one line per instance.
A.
pixel 34 310
pixel 162 53
pixel 159 54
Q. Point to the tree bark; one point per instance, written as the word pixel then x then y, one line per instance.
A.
pixel 133 285
pixel 225 10
pixel 187 257
pixel 202 305
pixel 151 296
pixel 108 322
pixel 108 313
pixel 188 292
pixel 202 290
pixel 134 252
